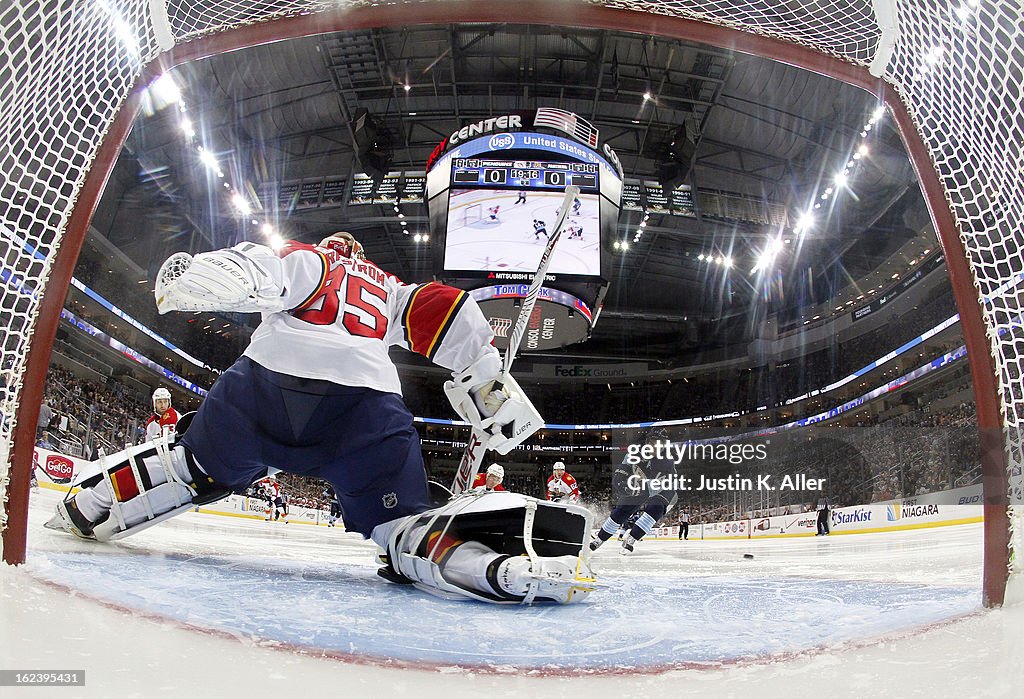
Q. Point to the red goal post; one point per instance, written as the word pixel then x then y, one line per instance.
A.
pixel 73 73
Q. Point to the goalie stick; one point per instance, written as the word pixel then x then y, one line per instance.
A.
pixel 473 456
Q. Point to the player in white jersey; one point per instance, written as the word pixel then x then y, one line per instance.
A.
pixel 277 501
pixel 316 393
pixel 163 415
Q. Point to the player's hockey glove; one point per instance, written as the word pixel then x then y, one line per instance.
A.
pixel 493 402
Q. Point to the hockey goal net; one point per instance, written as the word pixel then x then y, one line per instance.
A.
pixel 471 214
pixel 71 73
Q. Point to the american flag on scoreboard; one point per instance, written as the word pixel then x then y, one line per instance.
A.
pixel 567 122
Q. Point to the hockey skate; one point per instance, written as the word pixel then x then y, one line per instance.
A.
pixel 627 545
pixel 68 519
pixel 561 579
pixel 595 543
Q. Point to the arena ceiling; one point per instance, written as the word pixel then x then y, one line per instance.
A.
pixel 767 135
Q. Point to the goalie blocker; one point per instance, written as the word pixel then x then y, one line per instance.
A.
pixel 492 401
pixel 497 547
pixel 135 489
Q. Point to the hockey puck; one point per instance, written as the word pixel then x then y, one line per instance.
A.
pixel 748 555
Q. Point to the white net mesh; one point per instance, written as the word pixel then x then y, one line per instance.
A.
pixel 68 65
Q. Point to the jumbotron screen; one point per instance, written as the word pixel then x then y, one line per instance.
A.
pixel 500 214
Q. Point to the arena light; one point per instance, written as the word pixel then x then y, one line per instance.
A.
pixel 268 230
pixel 186 126
pixel 208 159
pixel 124 32
pixel 805 222
pixel 768 255
pixel 166 90
pixel 241 204
pixel 276 242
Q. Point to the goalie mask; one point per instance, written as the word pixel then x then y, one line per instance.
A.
pixel 345 244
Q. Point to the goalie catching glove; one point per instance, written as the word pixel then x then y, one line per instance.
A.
pixel 493 402
pixel 222 280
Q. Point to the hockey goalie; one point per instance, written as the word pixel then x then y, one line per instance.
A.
pixel 315 393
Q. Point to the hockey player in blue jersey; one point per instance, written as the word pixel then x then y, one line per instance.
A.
pixel 316 394
pixel 636 499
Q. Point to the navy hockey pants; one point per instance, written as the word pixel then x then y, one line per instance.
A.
pixel 359 440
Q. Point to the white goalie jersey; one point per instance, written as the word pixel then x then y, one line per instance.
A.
pixel 342 314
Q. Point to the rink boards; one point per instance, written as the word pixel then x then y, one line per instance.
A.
pixel 945 508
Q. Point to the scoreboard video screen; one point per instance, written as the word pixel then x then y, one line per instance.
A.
pixel 494 196
pixel 501 212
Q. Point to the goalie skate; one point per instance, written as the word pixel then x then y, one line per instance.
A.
pixel 561 579
pixel 68 519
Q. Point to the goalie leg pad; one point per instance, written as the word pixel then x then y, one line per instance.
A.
pixel 135 489
pixel 475 547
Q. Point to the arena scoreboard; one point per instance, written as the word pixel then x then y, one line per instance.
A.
pixel 495 189
pixel 528 174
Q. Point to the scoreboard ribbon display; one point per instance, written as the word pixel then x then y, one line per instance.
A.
pixel 529 174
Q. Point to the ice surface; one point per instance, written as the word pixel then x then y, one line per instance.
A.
pixel 216 606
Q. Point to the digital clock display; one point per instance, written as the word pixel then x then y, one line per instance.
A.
pixel 525 174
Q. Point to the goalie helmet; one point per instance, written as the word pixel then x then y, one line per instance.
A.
pixel 496 470
pixel 559 466
pixel 345 244
pixel 161 394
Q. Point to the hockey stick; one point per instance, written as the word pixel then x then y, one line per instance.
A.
pixel 473 456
